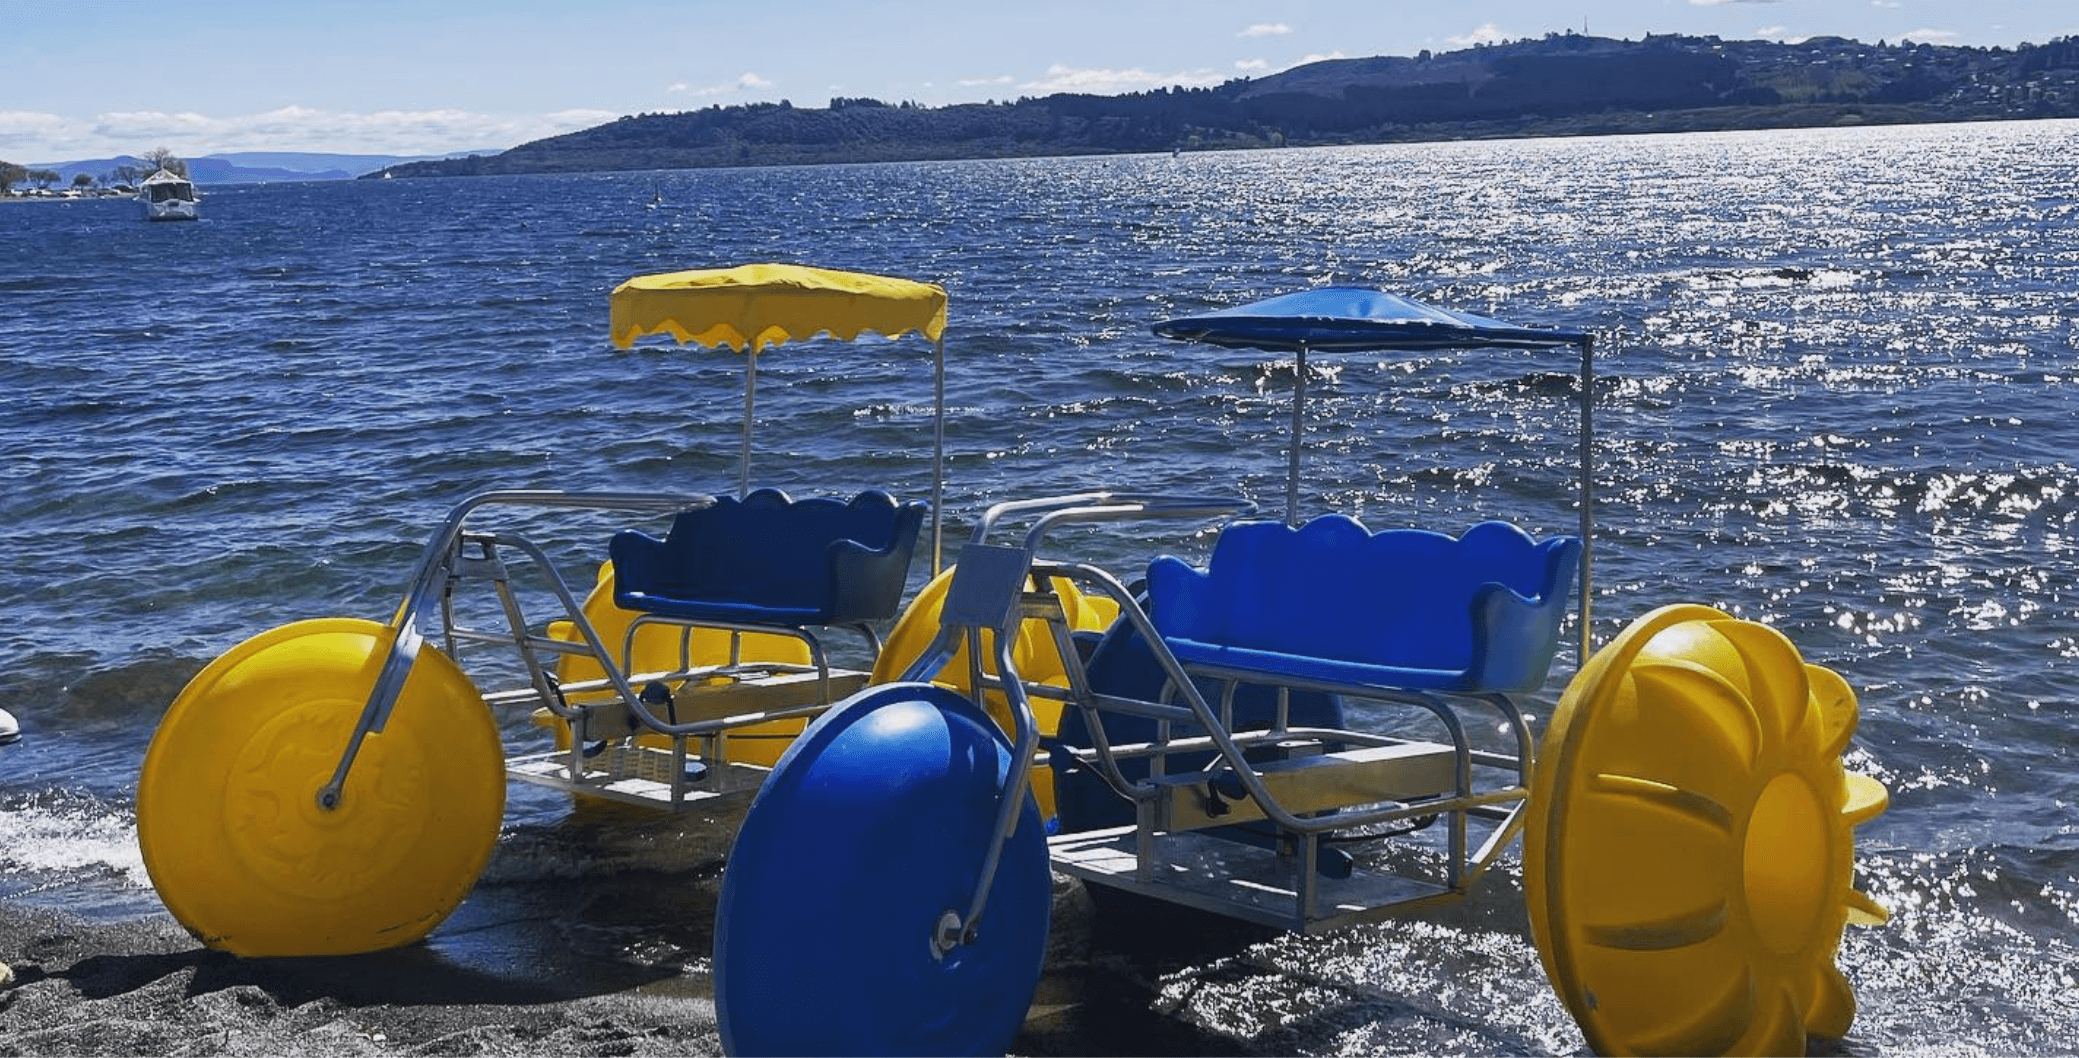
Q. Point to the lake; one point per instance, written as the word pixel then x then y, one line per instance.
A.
pixel 1838 393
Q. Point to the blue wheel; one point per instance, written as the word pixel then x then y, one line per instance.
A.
pixel 872 827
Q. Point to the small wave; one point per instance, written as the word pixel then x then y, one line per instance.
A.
pixel 61 836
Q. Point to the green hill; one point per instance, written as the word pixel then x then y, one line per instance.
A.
pixel 1564 84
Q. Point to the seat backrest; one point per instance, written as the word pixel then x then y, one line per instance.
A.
pixel 1404 598
pixel 772 550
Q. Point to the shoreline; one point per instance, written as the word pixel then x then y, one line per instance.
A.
pixel 518 971
pixel 501 978
pixel 146 987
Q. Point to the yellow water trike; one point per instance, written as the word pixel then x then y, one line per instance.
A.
pixel 335 786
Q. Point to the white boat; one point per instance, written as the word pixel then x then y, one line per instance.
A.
pixel 167 195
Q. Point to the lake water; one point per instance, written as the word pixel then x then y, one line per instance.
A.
pixel 1839 393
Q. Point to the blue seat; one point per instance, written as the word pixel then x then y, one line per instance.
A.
pixel 1332 603
pixel 768 559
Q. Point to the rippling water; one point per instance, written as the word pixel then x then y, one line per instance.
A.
pixel 1837 395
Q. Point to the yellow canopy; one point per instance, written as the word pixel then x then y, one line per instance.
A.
pixel 756 305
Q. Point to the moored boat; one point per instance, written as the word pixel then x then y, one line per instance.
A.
pixel 167 195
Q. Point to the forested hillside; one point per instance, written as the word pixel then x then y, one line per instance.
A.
pixel 1564 84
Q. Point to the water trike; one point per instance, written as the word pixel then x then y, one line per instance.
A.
pixel 1323 725
pixel 1292 735
pixel 335 786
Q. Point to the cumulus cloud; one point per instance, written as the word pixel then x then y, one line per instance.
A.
pixel 1251 64
pixel 28 137
pixel 1061 78
pixel 748 82
pixel 1266 29
pixel 984 82
pixel 1488 33
pixel 55 138
pixel 1929 36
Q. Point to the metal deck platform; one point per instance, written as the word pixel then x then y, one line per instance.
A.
pixel 638 775
pixel 1237 880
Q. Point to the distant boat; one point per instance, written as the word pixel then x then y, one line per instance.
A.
pixel 167 195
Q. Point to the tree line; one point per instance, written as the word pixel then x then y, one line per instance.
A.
pixel 1563 84
pixel 125 174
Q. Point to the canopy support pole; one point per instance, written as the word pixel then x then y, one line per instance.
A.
pixel 938 461
pixel 743 471
pixel 1299 405
pixel 1587 495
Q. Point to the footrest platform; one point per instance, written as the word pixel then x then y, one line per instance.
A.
pixel 636 774
pixel 1238 881
pixel 1303 785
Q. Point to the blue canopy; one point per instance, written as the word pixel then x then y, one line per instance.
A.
pixel 1355 319
pixel 1361 319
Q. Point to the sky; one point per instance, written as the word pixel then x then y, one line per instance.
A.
pixel 88 79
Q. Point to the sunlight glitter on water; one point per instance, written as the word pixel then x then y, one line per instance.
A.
pixel 1836 403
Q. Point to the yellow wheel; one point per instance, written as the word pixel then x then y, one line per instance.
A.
pixel 1034 654
pixel 1689 851
pixel 227 812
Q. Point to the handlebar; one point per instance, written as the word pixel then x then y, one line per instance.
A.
pixel 1104 506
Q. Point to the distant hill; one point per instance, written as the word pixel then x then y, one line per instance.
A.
pixel 252 167
pixel 1563 84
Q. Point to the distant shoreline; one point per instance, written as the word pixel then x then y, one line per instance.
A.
pixel 97 196
pixel 1563 85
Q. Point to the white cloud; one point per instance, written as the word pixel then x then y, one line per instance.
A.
pixel 1884 3
pixel 749 82
pixel 1488 33
pixel 1771 32
pixel 1716 3
pixel 1929 36
pixel 21 128
pixel 46 138
pixel 983 82
pixel 1251 64
pixel 1060 78
pixel 1266 29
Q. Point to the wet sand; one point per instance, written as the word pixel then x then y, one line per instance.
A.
pixel 503 977
pixel 592 935
pixel 146 987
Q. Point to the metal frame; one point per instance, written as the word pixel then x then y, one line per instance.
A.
pixel 1331 783
pixel 603 757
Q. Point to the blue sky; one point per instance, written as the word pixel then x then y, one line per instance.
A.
pixel 94 78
